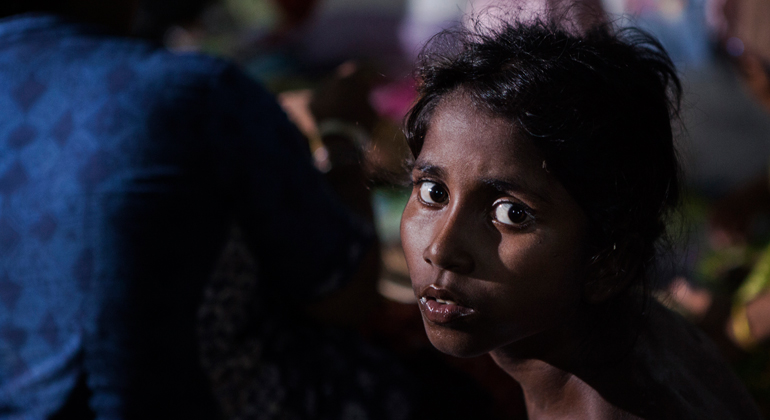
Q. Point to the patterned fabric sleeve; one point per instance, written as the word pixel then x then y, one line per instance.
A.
pixel 264 363
pixel 266 360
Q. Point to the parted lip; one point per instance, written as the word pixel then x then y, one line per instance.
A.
pixel 440 306
pixel 433 291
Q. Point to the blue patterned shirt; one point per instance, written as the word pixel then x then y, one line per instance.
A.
pixel 122 168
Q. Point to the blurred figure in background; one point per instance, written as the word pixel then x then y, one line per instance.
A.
pixel 726 290
pixel 122 169
pixel 744 34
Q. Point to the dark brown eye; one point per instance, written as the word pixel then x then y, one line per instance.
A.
pixel 511 214
pixel 432 193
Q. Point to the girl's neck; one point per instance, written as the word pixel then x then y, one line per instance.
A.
pixel 559 372
pixel 553 393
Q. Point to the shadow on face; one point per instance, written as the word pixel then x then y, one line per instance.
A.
pixel 494 243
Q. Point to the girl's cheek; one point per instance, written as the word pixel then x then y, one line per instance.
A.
pixel 410 234
pixel 517 251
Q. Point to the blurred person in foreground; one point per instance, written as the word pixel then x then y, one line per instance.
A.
pixel 122 169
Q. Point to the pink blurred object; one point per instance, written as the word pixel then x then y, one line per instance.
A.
pixel 393 100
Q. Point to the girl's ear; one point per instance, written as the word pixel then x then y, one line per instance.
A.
pixel 608 274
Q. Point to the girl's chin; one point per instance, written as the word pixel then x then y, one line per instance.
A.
pixel 456 343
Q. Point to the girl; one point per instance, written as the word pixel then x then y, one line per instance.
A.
pixel 544 173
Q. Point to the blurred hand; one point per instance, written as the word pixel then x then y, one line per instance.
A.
pixel 758 317
pixel 758 314
pixel 693 300
pixel 296 104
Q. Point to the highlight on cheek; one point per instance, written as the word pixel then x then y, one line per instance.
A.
pixel 432 193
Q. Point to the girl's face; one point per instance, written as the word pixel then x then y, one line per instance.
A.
pixel 494 243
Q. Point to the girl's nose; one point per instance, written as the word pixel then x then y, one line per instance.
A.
pixel 449 248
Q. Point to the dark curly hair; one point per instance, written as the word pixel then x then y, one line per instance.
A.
pixel 597 103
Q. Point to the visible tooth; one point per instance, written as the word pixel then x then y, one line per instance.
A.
pixel 445 302
pixel 423 299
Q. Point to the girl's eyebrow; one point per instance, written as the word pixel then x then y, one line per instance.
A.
pixel 515 186
pixel 428 169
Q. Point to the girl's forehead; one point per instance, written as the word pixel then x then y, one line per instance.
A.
pixel 461 129
pixel 472 148
pixel 462 102
pixel 473 153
